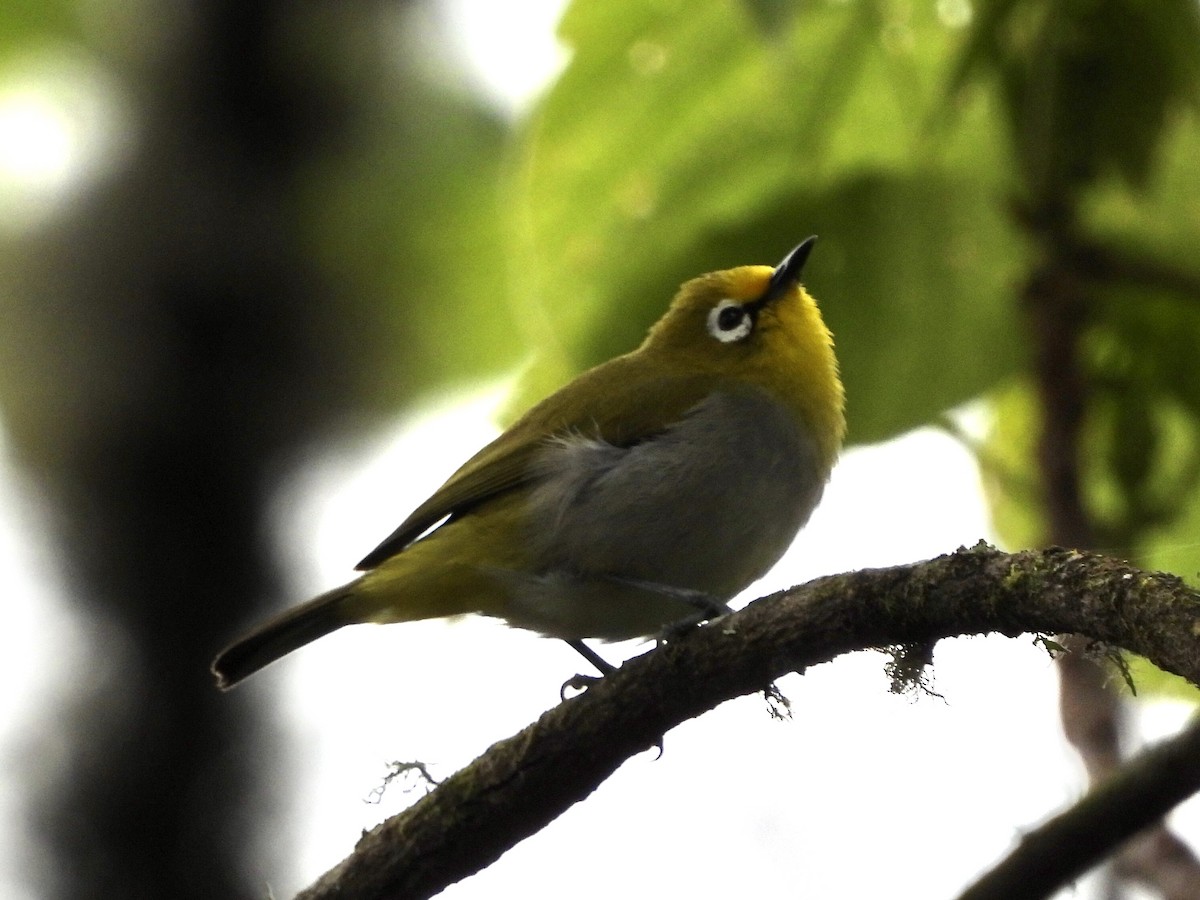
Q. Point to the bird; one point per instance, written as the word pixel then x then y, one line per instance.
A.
pixel 645 493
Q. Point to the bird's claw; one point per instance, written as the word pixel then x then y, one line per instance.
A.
pixel 578 683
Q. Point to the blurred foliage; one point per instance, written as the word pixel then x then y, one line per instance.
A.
pixel 1088 85
pixel 404 215
pixel 944 150
pixel 1158 219
pixel 1101 105
pixel 677 143
pixel 683 138
pixel 25 23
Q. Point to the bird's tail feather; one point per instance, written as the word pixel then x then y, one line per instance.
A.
pixel 281 635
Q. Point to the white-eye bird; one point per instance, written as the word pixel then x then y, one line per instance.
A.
pixel 648 491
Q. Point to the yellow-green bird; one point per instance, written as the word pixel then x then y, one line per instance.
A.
pixel 647 492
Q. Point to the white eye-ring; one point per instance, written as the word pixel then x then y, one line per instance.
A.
pixel 729 321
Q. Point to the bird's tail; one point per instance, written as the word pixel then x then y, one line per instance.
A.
pixel 281 635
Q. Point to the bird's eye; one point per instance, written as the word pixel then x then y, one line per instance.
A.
pixel 729 321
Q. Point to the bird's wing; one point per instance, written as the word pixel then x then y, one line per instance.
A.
pixel 615 402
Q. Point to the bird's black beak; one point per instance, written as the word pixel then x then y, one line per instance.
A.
pixel 787 273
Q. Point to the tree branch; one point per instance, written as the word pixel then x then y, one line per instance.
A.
pixel 521 784
pixel 1065 847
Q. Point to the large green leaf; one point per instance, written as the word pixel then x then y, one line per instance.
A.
pixel 664 126
pixel 917 285
pixel 682 140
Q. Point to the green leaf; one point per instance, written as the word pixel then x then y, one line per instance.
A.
pixel 677 143
pixel 661 129
pixel 916 277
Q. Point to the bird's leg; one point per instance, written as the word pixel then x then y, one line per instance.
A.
pixel 705 608
pixel 602 665
pixel 583 682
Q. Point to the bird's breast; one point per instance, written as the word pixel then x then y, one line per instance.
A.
pixel 710 503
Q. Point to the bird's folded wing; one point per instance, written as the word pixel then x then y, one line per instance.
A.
pixel 624 406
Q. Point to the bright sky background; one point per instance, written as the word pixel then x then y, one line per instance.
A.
pixel 861 794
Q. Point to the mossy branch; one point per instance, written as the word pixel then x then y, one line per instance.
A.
pixel 524 782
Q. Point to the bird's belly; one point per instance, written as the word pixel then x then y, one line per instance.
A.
pixel 709 505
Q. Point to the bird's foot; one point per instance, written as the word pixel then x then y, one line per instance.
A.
pixel 583 682
pixel 578 683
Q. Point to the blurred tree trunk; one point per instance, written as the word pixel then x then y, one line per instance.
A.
pixel 176 335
